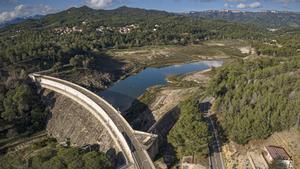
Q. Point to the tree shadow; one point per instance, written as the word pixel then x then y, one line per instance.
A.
pixel 165 124
pixel 217 141
pixel 139 116
pixel 162 128
pixel 117 158
pixel 120 160
pixel 100 74
pixel 168 154
pixel 48 98
pixel 106 63
pixel 222 133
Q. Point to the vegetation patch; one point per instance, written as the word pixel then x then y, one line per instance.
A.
pixel 49 155
pixel 22 112
pixel 256 98
pixel 190 135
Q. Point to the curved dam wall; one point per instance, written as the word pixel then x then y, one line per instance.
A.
pixel 135 151
pixel 92 107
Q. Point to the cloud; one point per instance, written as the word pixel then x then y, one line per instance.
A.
pixel 194 0
pixel 241 6
pixel 234 0
pixel 251 5
pixel 229 5
pixel 24 10
pixel 255 5
pixel 7 2
pixel 288 1
pixel 99 4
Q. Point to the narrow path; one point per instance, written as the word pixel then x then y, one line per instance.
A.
pixel 24 141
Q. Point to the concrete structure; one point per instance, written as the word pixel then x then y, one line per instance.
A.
pixel 257 160
pixel 278 153
pixel 133 144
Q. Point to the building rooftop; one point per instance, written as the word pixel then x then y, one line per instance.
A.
pixel 278 153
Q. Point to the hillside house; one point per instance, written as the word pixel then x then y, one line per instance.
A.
pixel 278 153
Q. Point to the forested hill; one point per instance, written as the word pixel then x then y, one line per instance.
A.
pixel 255 98
pixel 115 17
pixel 73 16
pixel 58 37
pixel 76 40
pixel 55 39
pixel 271 19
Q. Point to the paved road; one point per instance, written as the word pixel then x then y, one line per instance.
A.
pixel 216 157
pixel 140 155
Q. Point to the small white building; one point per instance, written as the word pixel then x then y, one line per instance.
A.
pixel 278 153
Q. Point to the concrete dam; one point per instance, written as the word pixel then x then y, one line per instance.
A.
pixel 138 148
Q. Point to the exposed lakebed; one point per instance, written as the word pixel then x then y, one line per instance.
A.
pixel 125 91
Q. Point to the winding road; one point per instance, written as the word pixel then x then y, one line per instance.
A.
pixel 215 156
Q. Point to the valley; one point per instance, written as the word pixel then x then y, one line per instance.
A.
pixel 136 88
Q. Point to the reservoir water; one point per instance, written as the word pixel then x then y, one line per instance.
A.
pixel 124 92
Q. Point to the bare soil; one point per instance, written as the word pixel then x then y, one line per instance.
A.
pixel 236 155
pixel 164 55
pixel 198 77
pixel 167 99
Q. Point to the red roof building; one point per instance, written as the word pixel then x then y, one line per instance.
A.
pixel 278 153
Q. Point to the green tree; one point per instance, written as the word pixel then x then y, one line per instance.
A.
pixel 255 98
pixel 94 160
pixel 57 66
pixel 75 61
pixel 22 107
pixel 277 164
pixel 43 156
pixel 54 163
pixel 17 103
pixel 190 134
pixel 72 157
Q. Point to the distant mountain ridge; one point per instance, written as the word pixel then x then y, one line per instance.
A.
pixel 71 16
pixel 19 20
pixel 273 19
pixel 77 15
pixel 85 13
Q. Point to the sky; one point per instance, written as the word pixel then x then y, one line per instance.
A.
pixel 11 9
